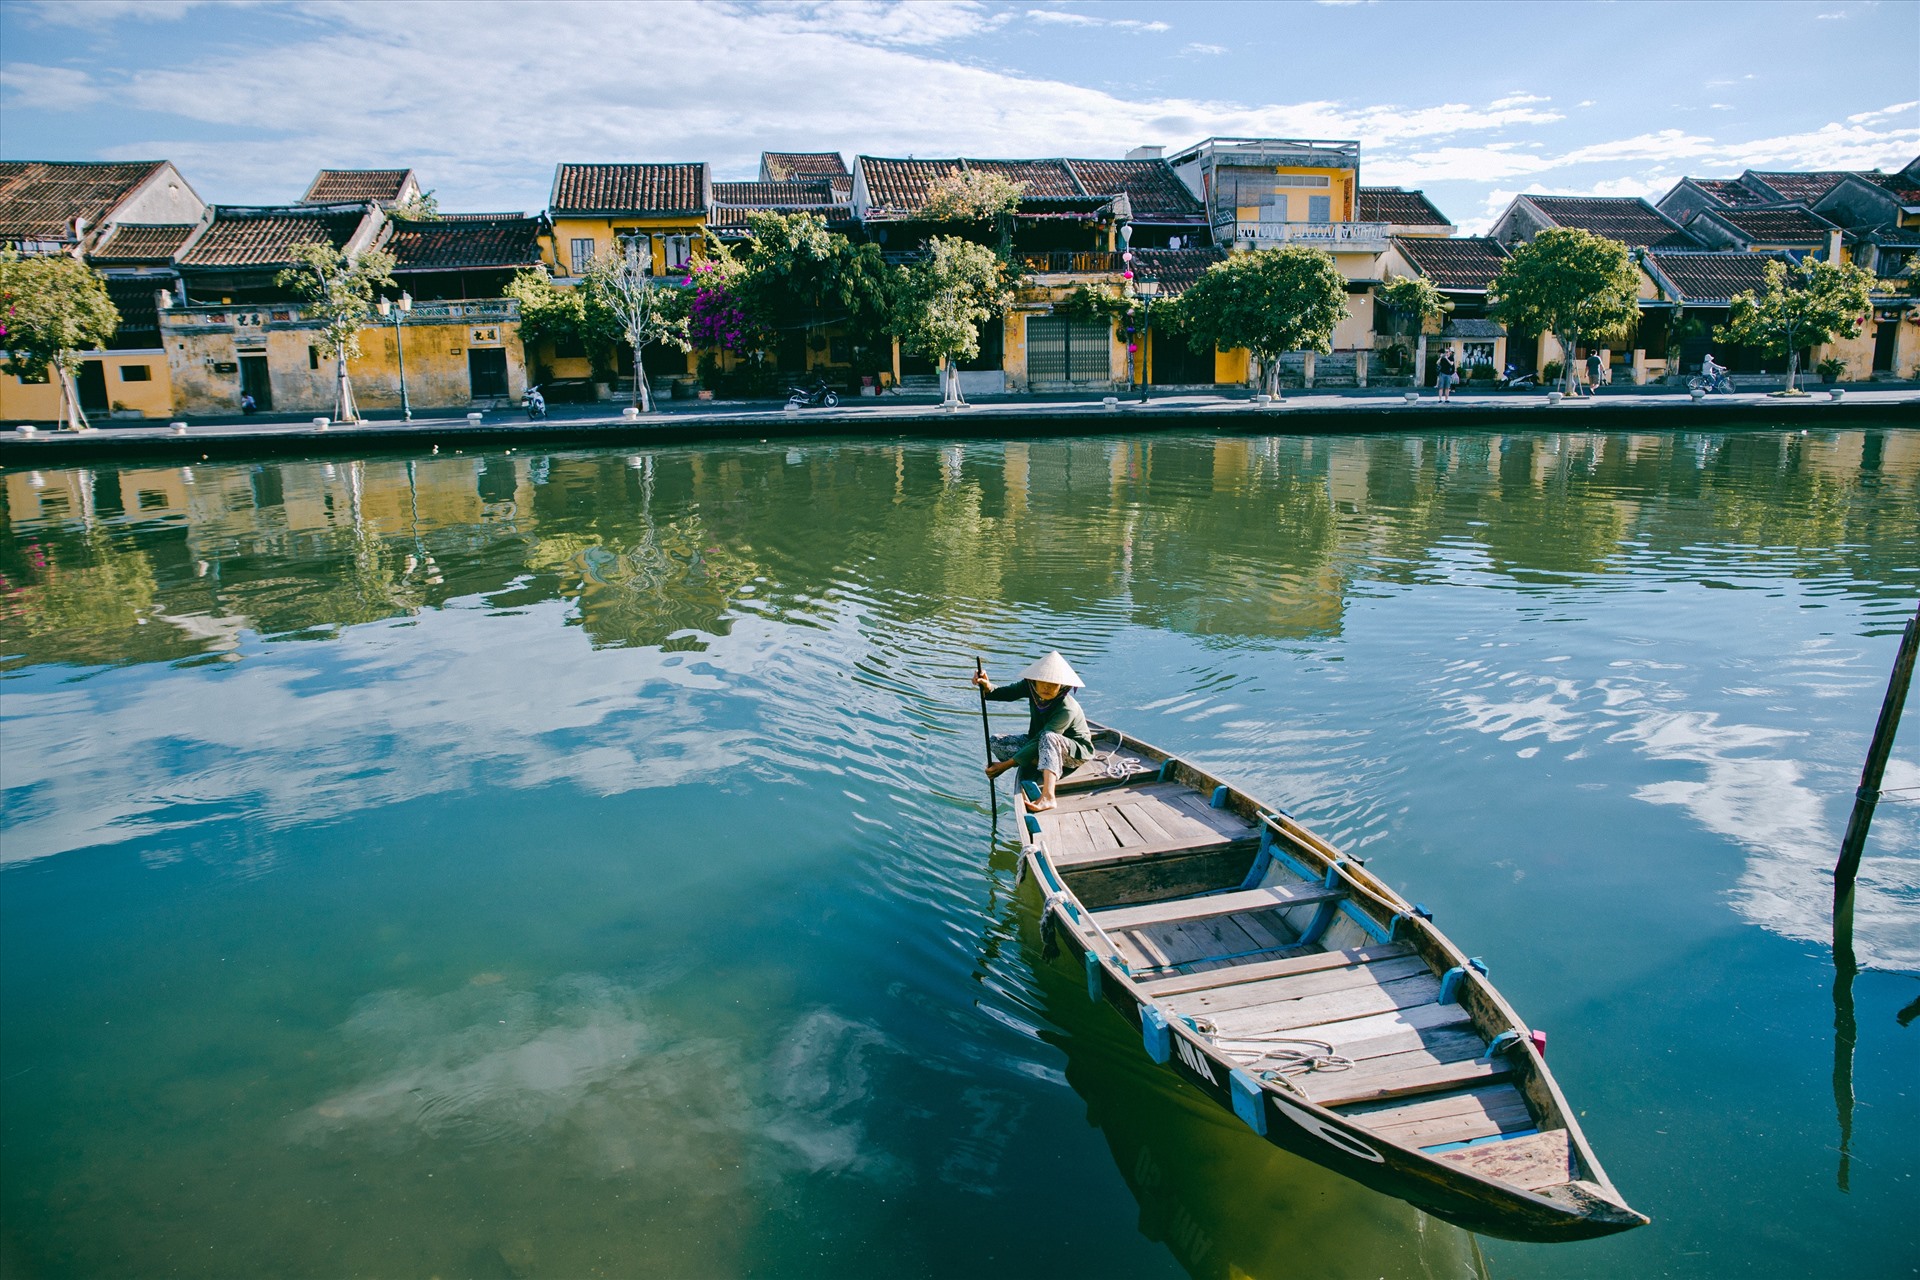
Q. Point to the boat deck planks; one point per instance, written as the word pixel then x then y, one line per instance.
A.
pixel 1253 971
pixel 1296 986
pixel 1407 1082
pixel 1531 1162
pixel 1268 898
pixel 1454 1117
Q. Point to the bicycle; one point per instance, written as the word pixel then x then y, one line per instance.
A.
pixel 1718 382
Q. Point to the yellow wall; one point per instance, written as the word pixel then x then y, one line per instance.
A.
pixel 40 401
pixel 601 231
pixel 1339 189
pixel 1232 366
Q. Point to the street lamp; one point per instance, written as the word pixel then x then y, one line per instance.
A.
pixel 1126 274
pixel 397 311
pixel 1148 288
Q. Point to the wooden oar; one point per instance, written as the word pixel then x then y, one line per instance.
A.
pixel 986 732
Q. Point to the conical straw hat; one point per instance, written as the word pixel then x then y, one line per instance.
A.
pixel 1053 669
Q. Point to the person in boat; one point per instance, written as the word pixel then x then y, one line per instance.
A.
pixel 1057 739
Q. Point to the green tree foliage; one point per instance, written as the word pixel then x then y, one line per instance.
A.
pixel 1570 283
pixel 338 296
pixel 647 312
pixel 51 308
pixel 1270 301
pixel 795 274
pixel 423 206
pixel 1808 303
pixel 943 299
pixel 975 198
pixel 1412 301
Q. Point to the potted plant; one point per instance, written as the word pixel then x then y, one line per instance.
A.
pixel 1830 369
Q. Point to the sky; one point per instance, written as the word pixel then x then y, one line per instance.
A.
pixel 1471 102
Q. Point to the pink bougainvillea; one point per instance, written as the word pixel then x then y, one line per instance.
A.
pixel 714 319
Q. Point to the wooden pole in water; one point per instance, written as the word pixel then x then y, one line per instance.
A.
pixel 986 732
pixel 1868 794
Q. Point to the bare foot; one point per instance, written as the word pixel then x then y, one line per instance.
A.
pixel 1037 806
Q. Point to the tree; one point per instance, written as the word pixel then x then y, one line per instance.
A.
pixel 1807 303
pixel 1570 283
pixel 50 309
pixel 339 294
pixel 794 273
pixel 975 197
pixel 647 311
pixel 421 206
pixel 944 298
pixel 1269 301
pixel 1415 300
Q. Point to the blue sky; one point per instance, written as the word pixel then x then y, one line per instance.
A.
pixel 1472 102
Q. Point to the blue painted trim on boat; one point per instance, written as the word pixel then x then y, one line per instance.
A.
pixel 1248 1103
pixel 1479 1142
pixel 1322 920
pixel 1166 769
pixel 1154 1034
pixel 1292 863
pixel 1031 790
pixel 1501 1043
pixel 1450 984
pixel 1093 977
pixel 1219 800
pixel 1033 825
pixel 1366 922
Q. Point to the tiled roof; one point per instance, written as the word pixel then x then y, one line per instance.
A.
pixel 774 195
pixel 464 244
pixel 1628 219
pixel 1175 269
pixel 1038 179
pixel 1712 276
pixel 339 186
pixel 730 220
pixel 1730 192
pixel 1460 263
pixel 1901 185
pixel 143 242
pixel 1399 207
pixel 1800 186
pixel 630 188
pixel 266 237
pixel 39 199
pixel 1152 187
pixel 902 185
pixel 1780 224
pixel 1472 328
pixel 785 166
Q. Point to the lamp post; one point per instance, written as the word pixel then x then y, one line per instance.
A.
pixel 397 311
pixel 1147 288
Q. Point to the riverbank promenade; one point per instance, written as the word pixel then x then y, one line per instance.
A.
pixel 1296 413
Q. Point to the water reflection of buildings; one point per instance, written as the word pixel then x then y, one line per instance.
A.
pixel 1239 537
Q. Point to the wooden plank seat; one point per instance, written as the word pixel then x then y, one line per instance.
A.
pixel 1344 1088
pixel 1254 971
pixel 1265 898
pixel 1453 1117
pixel 1158 817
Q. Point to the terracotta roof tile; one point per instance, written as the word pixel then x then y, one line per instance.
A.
pixel 1152 187
pixel 1731 192
pixel 1779 224
pixel 1176 269
pixel 464 244
pixel 39 199
pixel 266 237
pixel 1801 186
pixel 901 186
pixel 774 195
pixel 630 188
pixel 143 242
pixel 1039 179
pixel 1901 185
pixel 1628 219
pixel 339 186
pixel 1710 276
pixel 1399 207
pixel 1465 264
pixel 785 166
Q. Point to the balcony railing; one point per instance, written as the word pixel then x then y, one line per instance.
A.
pixel 1074 262
pixel 1326 235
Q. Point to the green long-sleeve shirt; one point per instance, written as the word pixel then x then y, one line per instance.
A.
pixel 1062 716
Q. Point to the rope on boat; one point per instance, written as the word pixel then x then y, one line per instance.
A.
pixel 1289 1062
pixel 1115 764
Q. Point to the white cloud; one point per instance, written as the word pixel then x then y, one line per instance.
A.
pixel 101 13
pixel 47 88
pixel 1898 109
pixel 1067 18
pixel 1208 50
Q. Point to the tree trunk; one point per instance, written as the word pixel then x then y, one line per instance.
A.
pixel 72 416
pixel 1270 375
pixel 1568 341
pixel 642 393
pixel 1793 362
pixel 950 382
pixel 343 406
pixel 1420 361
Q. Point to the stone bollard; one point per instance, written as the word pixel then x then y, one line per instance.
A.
pixel 1110 402
pixel 1834 394
pixel 630 413
pixel 323 423
pixel 1696 394
pixel 475 417
pixel 178 428
pixel 1413 397
pixel 1263 399
pixel 27 429
pixel 1555 397
pixel 792 408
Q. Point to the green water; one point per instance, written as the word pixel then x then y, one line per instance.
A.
pixel 577 864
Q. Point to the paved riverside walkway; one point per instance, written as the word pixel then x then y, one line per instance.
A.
pixel 1296 413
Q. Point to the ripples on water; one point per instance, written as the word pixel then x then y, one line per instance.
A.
pixel 528 864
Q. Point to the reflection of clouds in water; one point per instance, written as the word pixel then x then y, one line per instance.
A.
pixel 1748 793
pixel 292 740
pixel 593 1066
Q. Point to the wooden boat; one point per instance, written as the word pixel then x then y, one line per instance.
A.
pixel 1296 990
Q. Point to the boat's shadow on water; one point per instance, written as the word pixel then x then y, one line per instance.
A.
pixel 1224 1203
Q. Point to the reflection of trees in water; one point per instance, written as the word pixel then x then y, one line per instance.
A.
pixel 83 601
pixel 1232 537
pixel 670 578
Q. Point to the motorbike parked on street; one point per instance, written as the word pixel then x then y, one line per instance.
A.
pixel 816 393
pixel 535 404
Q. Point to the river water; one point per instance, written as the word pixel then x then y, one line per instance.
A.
pixel 572 864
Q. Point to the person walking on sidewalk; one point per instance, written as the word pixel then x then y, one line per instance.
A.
pixel 1594 371
pixel 1449 374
